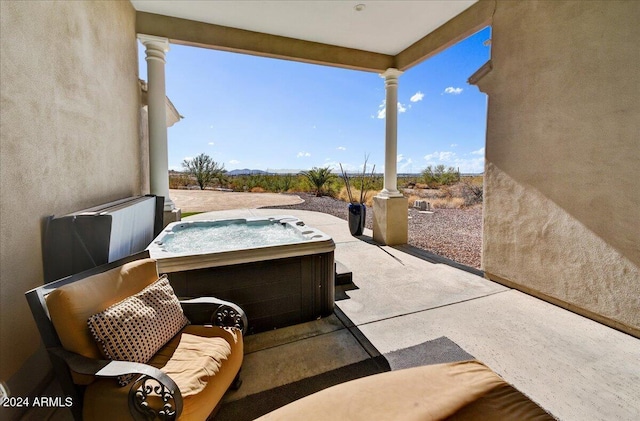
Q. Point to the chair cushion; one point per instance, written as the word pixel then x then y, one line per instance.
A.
pixel 138 326
pixel 202 360
pixel 71 305
pixel 193 357
pixel 466 390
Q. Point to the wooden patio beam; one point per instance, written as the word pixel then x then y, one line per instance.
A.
pixel 217 37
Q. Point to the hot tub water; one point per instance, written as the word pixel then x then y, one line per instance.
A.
pixel 215 238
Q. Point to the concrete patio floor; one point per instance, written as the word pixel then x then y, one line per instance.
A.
pixel 575 368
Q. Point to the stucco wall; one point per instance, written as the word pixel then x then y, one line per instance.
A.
pixel 69 140
pixel 562 189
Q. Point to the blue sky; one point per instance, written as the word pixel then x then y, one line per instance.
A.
pixel 258 113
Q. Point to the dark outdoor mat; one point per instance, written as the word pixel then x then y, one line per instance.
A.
pixel 254 406
pixel 436 351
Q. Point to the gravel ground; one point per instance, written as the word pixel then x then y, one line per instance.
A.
pixel 452 233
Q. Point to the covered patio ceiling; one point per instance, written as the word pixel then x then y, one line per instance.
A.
pixel 385 37
pixel 360 34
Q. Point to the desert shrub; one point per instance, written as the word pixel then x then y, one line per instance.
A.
pixel 257 189
pixel 408 181
pixel 428 177
pixel 234 183
pixel 358 186
pixel 298 183
pixel 448 191
pixel 450 176
pixel 250 181
pixel 368 197
pixel 343 195
pixel 285 182
pixel 376 182
pixel 438 193
pixel 334 186
pixel 439 176
pixel 447 203
pixel 412 198
pixel 179 180
pixel 268 182
pixel 471 193
pixel 242 182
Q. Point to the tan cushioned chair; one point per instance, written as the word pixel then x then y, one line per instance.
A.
pixel 104 399
pixel 203 361
pixel 457 391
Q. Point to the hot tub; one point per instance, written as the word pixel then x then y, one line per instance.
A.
pixel 280 271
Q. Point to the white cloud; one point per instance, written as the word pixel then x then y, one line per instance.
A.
pixel 342 148
pixel 479 151
pixel 211 143
pixel 453 145
pixel 453 91
pixel 382 109
pixel 303 155
pixel 234 162
pixel 401 108
pixel 417 97
pixel 451 159
pixel 404 163
pixel 475 165
pixel 335 165
pixel 440 156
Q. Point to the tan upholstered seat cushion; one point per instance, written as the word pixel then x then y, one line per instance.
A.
pixel 195 357
pixel 138 326
pixel 202 360
pixel 456 391
pixel 71 306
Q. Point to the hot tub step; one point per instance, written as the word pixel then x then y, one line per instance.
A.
pixel 343 274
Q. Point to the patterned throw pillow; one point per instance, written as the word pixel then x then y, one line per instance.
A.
pixel 138 326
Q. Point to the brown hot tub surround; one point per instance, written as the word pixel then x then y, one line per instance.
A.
pixel 280 271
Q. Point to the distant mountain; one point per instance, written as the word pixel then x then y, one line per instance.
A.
pixel 245 171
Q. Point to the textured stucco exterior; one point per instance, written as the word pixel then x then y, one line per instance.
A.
pixel 562 189
pixel 70 139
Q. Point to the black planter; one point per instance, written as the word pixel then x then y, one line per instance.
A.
pixel 357 217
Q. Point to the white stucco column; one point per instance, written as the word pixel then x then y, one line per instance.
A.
pixel 390 210
pixel 156 47
pixel 390 188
